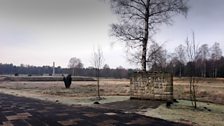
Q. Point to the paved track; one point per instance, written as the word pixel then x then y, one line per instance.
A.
pixel 20 111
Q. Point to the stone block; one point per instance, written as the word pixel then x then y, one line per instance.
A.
pixel 158 86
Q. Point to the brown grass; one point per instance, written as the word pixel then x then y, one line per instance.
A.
pixel 108 87
pixel 208 89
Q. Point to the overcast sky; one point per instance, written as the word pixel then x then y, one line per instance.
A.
pixel 38 32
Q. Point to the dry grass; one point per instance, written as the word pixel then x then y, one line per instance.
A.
pixel 208 89
pixel 205 115
pixel 108 87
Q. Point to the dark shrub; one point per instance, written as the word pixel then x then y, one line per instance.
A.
pixel 168 104
pixel 67 80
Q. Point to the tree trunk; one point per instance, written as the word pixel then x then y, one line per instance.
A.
pixel 180 72
pixel 144 51
pixel 98 83
pixel 191 78
pixel 193 97
pixel 73 71
pixel 204 70
pixel 194 94
pixel 145 40
pixel 215 72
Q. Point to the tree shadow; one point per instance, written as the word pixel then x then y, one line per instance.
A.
pixel 133 105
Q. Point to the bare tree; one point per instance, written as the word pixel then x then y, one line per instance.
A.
pixel 157 57
pixel 192 51
pixel 139 19
pixel 173 62
pixel 97 62
pixel 106 66
pixel 180 56
pixel 74 63
pixel 216 54
pixel 106 70
pixel 202 56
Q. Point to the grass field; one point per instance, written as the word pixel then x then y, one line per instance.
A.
pixel 207 89
pixel 114 90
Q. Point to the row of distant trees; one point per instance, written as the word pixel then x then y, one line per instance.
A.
pixel 106 71
pixel 206 61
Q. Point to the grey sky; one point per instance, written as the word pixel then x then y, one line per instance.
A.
pixel 205 18
pixel 38 32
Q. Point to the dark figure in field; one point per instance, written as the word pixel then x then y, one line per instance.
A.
pixel 67 80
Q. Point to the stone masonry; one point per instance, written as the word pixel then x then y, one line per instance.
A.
pixel 154 86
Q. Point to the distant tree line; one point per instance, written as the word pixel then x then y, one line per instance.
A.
pixel 176 67
pixel 213 69
pixel 118 72
pixel 203 60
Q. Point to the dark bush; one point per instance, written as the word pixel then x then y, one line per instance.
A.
pixel 67 80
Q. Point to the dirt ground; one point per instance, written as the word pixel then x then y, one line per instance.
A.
pixel 115 94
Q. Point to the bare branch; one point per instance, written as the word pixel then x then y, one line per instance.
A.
pixel 139 20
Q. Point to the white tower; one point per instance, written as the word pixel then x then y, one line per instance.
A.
pixel 53 73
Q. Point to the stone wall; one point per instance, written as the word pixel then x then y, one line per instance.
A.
pixel 155 86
